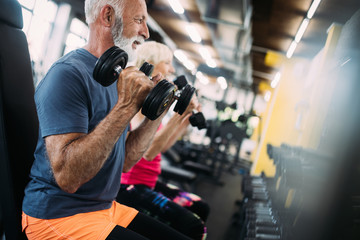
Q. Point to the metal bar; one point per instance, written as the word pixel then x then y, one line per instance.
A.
pixel 264 50
pixel 262 75
pixel 224 22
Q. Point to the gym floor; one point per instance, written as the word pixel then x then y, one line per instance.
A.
pixel 222 204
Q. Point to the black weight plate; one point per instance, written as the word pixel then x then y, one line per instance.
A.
pixel 179 101
pixel 180 82
pixel 147 68
pixel 100 62
pixel 193 120
pixel 149 98
pixel 104 72
pixel 147 109
pixel 170 92
pixel 117 58
pixel 198 120
pixel 158 99
pixel 184 99
pixel 143 67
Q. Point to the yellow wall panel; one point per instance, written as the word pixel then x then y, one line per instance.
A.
pixel 299 104
pixel 280 117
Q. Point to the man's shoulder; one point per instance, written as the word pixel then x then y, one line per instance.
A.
pixel 73 70
pixel 77 57
pixel 78 62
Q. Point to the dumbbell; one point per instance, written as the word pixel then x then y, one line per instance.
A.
pixel 114 60
pixel 184 94
pixel 158 99
pixel 184 91
pixel 198 120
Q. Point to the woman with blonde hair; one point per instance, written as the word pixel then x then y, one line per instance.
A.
pixel 140 187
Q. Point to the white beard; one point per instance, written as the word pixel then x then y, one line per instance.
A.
pixel 125 43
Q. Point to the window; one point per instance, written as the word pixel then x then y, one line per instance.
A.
pixel 29 4
pixel 38 18
pixel 78 35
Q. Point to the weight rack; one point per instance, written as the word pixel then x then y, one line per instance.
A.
pixel 290 204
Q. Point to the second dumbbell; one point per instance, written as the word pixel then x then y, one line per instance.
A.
pixel 114 60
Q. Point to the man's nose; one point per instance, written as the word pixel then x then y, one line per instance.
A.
pixel 144 31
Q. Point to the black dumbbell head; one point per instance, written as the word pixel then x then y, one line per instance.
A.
pixel 158 99
pixel 198 120
pixel 104 71
pixel 180 81
pixel 184 99
pixel 147 68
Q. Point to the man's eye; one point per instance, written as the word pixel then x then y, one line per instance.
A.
pixel 139 20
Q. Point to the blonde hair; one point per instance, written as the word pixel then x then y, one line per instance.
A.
pixel 152 52
pixel 92 8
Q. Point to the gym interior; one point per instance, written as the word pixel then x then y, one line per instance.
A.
pixel 274 151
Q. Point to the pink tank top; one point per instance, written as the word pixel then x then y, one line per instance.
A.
pixel 144 172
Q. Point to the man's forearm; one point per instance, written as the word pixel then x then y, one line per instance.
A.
pixel 77 158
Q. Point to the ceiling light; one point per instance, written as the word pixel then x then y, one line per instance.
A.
pixel 180 56
pixel 267 96
pixel 204 53
pixel 194 35
pixel 207 57
pixel 276 80
pixel 199 74
pixel 176 6
pixel 291 49
pixel 204 80
pixel 313 8
pixel 189 65
pixel 301 30
pixel 222 82
pixel 211 63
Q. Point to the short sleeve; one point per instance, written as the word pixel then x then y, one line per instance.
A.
pixel 61 101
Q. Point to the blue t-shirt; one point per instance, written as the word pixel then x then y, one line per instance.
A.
pixel 69 100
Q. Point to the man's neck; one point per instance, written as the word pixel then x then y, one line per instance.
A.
pixel 98 42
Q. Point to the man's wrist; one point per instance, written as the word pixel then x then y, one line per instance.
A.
pixel 126 109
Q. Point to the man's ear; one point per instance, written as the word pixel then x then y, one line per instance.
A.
pixel 107 15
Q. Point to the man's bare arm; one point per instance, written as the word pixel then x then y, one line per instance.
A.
pixel 76 157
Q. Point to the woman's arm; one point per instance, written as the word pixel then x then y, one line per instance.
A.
pixel 168 135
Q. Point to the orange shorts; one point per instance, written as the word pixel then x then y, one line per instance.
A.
pixel 92 225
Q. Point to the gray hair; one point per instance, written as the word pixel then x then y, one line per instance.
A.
pixel 152 52
pixel 93 7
